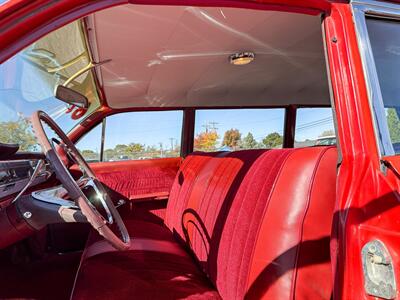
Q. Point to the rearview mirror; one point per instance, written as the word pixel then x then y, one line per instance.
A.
pixel 71 97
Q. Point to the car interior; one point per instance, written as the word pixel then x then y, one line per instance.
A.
pixel 87 212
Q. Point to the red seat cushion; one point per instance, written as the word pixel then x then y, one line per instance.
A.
pixel 156 267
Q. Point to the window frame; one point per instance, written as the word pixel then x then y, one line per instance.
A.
pixel 289 119
pixel 379 10
pixel 189 120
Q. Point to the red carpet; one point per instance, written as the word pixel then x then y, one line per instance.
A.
pixel 51 278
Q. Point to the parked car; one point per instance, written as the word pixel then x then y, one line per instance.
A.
pixel 326 141
pixel 115 121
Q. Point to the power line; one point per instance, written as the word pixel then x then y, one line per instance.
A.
pixel 213 125
pixel 316 122
pixel 306 126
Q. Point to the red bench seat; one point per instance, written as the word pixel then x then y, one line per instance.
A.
pixel 248 224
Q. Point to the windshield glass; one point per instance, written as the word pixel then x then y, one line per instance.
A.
pixel 28 81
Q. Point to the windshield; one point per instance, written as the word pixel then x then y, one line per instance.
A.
pixel 28 81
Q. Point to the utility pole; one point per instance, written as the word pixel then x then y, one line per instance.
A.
pixel 172 143
pixel 161 149
pixel 206 126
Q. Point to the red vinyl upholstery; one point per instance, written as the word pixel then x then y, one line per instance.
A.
pixel 256 222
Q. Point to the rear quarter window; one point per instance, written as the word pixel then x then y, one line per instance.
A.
pixel 314 127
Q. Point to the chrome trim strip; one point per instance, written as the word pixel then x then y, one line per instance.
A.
pixel 331 93
pixel 103 134
pixel 36 172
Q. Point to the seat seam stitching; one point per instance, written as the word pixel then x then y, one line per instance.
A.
pixel 201 201
pixel 209 202
pixel 265 211
pixel 240 209
pixel 276 162
pixel 301 231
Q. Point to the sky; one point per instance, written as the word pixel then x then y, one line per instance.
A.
pixel 259 122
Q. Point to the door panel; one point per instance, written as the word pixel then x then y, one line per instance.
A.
pixel 137 180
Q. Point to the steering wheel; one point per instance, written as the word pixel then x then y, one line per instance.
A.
pixel 99 211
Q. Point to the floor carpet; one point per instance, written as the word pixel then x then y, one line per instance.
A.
pixel 50 278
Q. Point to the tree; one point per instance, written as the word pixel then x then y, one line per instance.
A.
pixel 18 132
pixel 394 125
pixel 329 132
pixel 89 154
pixel 273 140
pixel 152 151
pixel 135 148
pixel 121 149
pixel 231 138
pixel 109 154
pixel 206 141
pixel 249 142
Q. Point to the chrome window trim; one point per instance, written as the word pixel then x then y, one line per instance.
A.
pixel 331 93
pixel 382 10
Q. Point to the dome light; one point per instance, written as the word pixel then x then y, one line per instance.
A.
pixel 242 58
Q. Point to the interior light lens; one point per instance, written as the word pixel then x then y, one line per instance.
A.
pixel 242 58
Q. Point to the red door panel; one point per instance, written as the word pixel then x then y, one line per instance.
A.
pixel 138 179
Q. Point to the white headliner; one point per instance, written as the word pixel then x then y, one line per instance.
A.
pixel 173 56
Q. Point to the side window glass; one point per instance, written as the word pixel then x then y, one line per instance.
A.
pixel 90 144
pixel 314 127
pixel 237 129
pixel 143 135
pixel 393 122
pixel 384 36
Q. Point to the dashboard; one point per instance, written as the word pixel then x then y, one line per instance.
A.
pixel 27 204
pixel 17 170
pixel 15 175
pixel 20 174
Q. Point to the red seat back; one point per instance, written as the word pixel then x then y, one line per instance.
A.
pixel 258 221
